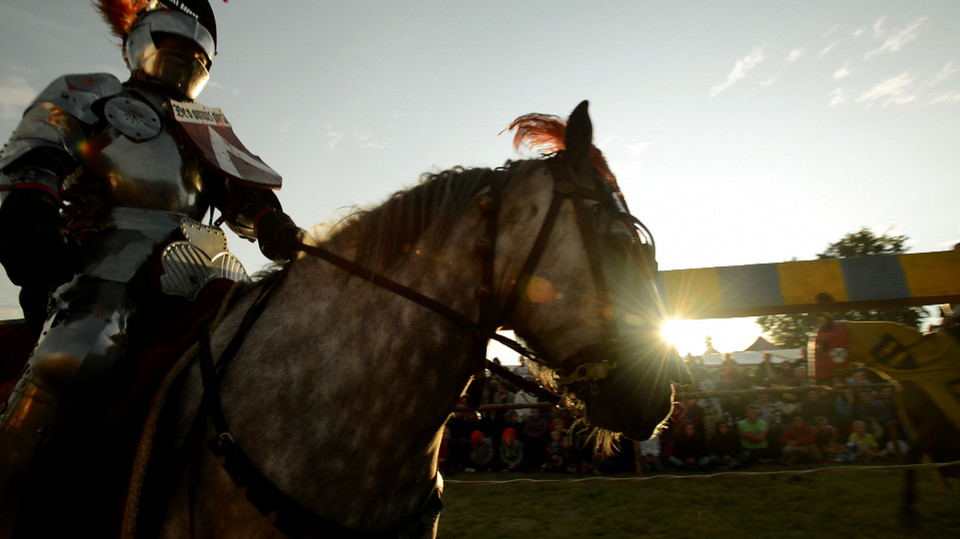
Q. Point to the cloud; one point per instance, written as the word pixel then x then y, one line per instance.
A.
pixel 794 55
pixel 843 72
pixel 949 98
pixel 838 97
pixel 218 86
pixel 637 149
pixel 827 49
pixel 831 31
pixel 15 95
pixel 739 71
pixel 333 138
pixel 895 42
pixel 946 73
pixel 893 91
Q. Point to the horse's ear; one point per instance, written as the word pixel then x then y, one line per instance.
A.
pixel 579 139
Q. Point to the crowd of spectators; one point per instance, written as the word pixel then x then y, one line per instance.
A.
pixel 522 440
pixel 843 424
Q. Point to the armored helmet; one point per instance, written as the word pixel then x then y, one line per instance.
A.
pixel 172 43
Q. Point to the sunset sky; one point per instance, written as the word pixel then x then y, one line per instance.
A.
pixel 741 132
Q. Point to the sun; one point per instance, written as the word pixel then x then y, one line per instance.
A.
pixel 683 336
pixel 727 334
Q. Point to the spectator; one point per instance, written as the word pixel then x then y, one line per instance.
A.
pixel 650 455
pixel 788 405
pixel 730 374
pixel 690 450
pixel 753 433
pixel 762 374
pixel 827 441
pixel 844 405
pixel 511 451
pixel 522 397
pixel 816 404
pixel 556 453
pixel 535 435
pixel 799 442
pixel 445 462
pixel 725 449
pixel 522 369
pixel 862 445
pixel 481 453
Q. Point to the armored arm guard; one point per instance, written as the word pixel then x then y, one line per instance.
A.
pixel 256 213
pixel 35 247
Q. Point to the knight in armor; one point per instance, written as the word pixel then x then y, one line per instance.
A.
pixel 102 189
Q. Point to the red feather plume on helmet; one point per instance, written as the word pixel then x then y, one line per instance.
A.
pixel 120 14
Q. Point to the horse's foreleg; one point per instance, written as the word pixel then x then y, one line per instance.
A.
pixel 909 486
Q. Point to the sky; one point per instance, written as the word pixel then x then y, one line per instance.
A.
pixel 741 132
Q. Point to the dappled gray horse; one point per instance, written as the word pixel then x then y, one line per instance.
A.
pixel 334 401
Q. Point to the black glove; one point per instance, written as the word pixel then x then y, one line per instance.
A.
pixel 35 248
pixel 278 236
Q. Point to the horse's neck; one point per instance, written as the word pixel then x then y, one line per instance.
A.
pixel 353 383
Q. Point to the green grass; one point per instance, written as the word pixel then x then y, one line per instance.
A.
pixel 826 504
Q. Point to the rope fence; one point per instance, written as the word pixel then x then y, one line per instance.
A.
pixel 719 475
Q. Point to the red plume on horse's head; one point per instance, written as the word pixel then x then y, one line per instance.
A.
pixel 120 14
pixel 547 132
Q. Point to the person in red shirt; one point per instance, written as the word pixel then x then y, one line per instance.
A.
pixel 799 442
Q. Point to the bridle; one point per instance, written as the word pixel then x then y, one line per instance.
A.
pixel 294 517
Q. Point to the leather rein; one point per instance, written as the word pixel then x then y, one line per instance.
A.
pixel 294 519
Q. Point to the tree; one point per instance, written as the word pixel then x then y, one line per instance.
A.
pixel 794 330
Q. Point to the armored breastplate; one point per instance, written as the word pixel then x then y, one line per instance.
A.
pixel 137 160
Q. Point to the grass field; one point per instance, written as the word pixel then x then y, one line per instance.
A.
pixel 855 504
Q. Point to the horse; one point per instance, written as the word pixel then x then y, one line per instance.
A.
pixel 926 368
pixel 319 395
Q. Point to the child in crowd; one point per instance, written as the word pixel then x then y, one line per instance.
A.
pixel 862 445
pixel 481 453
pixel 725 449
pixel 511 450
pixel 691 450
pixel 827 442
pixel 556 462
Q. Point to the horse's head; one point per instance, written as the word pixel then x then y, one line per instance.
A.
pixel 586 297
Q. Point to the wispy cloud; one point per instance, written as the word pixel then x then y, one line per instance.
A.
pixel 895 42
pixel 794 55
pixel 949 98
pixel 831 31
pixel 838 97
pixel 15 95
pixel 739 71
pixel 334 138
pixel 947 72
pixel 637 149
pixel 218 86
pixel 826 50
pixel 843 72
pixel 893 91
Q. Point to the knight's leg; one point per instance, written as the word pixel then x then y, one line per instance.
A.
pixel 81 343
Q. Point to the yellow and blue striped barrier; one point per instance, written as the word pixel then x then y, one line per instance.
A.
pixel 813 285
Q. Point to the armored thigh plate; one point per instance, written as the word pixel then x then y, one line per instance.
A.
pixel 202 257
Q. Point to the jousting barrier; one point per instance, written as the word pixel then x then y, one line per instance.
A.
pixel 807 286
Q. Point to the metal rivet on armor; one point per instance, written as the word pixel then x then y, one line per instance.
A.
pixel 487 204
pixel 483 292
pixel 65 94
pixel 484 246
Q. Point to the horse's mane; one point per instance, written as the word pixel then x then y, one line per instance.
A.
pixel 389 231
